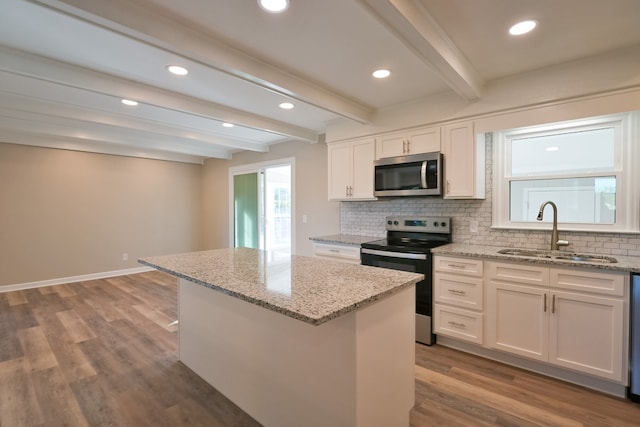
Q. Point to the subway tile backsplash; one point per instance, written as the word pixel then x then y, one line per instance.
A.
pixel 367 218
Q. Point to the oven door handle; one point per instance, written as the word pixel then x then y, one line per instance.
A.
pixel 393 254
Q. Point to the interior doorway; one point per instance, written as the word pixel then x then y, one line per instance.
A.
pixel 262 206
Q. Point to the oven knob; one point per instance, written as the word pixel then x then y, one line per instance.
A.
pixel 389 222
pixel 435 224
pixel 395 223
pixel 444 224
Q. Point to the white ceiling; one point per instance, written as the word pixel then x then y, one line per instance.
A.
pixel 65 65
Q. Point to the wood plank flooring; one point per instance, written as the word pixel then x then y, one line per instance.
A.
pixel 103 353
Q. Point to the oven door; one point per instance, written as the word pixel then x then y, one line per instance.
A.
pixel 413 262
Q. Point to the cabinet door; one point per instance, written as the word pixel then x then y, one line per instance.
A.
pixel 466 266
pixel 344 253
pixel 516 319
pixel 339 164
pixel 424 140
pixel 362 157
pixel 391 145
pixel 457 323
pixel 459 161
pixel 461 291
pixel 586 333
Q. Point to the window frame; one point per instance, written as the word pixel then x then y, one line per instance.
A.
pixel 626 164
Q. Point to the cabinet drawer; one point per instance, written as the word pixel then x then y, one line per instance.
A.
pixel 458 323
pixel 343 253
pixel 518 273
pixel 588 281
pixel 467 266
pixel 461 291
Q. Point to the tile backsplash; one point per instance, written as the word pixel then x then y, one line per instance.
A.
pixel 367 218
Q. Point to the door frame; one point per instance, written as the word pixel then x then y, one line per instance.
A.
pixel 256 167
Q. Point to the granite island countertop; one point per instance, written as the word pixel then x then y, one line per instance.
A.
pixel 309 289
pixel 625 263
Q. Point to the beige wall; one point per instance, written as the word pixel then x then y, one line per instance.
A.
pixel 66 213
pixel 310 193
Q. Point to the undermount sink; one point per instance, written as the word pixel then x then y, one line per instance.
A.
pixel 587 258
pixel 534 253
pixel 525 252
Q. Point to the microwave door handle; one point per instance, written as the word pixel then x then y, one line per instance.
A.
pixel 423 174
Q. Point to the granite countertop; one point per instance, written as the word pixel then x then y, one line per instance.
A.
pixel 625 263
pixel 345 239
pixel 308 289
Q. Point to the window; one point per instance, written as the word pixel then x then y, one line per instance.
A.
pixel 587 167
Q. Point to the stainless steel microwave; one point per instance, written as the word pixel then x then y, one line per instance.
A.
pixel 414 175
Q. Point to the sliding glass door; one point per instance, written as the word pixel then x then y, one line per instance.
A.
pixel 262 206
pixel 245 202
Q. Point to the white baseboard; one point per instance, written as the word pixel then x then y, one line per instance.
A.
pixel 62 280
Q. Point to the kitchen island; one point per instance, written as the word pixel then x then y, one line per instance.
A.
pixel 296 340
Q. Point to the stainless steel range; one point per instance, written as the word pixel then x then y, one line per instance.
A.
pixel 408 247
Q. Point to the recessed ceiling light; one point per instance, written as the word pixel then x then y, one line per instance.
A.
pixel 522 27
pixel 177 70
pixel 552 148
pixel 129 102
pixel 274 6
pixel 228 125
pixel 286 106
pixel 381 74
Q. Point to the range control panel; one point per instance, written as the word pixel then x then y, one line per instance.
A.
pixel 421 224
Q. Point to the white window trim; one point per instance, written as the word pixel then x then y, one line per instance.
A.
pixel 627 165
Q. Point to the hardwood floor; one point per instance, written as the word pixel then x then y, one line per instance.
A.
pixel 103 353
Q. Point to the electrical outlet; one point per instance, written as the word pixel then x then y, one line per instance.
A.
pixel 473 226
pixel 125 257
pixel 304 218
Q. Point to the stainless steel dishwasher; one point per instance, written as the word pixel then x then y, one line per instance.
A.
pixel 634 386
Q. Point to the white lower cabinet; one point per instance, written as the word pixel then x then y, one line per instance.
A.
pixel 458 298
pixel 583 331
pixel 586 333
pixel 516 320
pixel 336 252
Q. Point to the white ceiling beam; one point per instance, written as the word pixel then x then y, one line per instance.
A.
pixel 75 144
pixel 417 29
pixel 25 64
pixel 48 108
pixel 69 129
pixel 146 23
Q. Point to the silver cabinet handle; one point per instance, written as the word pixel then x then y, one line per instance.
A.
pixel 545 303
pixel 456 324
pixel 334 250
pixel 553 304
pixel 457 292
pixel 457 266
pixel 349 191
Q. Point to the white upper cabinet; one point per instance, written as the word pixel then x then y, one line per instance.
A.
pixel 464 162
pixel 416 141
pixel 351 169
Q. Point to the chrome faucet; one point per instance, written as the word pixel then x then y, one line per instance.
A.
pixel 555 242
